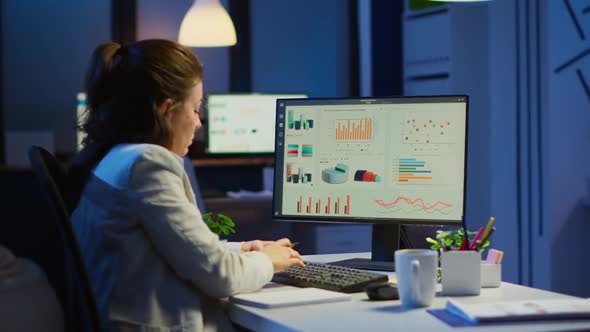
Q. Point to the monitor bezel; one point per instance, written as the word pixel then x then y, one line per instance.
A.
pixel 240 154
pixel 371 220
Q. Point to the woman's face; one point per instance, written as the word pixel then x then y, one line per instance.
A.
pixel 184 120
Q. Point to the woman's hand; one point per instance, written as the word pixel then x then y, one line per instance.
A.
pixel 282 257
pixel 258 245
pixel 280 252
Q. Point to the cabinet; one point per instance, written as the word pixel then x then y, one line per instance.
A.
pixel 334 238
pixel 217 176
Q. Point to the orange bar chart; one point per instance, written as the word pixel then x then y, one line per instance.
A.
pixel 354 129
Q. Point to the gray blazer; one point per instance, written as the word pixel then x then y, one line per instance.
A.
pixel 153 263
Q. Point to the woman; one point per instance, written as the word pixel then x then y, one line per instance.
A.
pixel 153 263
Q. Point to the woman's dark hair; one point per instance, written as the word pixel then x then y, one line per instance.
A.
pixel 125 85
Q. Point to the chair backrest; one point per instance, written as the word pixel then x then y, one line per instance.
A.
pixel 77 298
pixel 190 171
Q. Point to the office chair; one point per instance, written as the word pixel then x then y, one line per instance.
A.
pixel 190 171
pixel 77 298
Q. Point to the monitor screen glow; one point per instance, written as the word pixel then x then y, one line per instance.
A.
pixel 384 160
pixel 379 161
pixel 242 123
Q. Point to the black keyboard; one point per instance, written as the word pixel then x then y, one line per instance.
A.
pixel 331 277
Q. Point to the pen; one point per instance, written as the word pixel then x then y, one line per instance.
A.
pixel 294 244
pixel 463 244
pixel 485 238
pixel 500 256
pixel 488 226
pixel 477 236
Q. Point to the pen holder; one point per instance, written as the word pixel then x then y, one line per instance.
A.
pixel 491 275
pixel 461 272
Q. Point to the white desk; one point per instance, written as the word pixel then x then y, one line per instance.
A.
pixel 363 315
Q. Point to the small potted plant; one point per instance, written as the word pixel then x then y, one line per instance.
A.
pixel 219 224
pixel 451 240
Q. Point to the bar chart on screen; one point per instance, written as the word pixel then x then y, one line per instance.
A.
pixel 353 129
pixel 327 205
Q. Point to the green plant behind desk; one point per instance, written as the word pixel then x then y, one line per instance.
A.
pixel 219 224
pixel 451 240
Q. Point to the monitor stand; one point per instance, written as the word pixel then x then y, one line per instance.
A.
pixel 385 241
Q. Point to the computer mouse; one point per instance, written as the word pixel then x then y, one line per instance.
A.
pixel 381 291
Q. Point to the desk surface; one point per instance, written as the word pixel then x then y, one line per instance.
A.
pixel 363 315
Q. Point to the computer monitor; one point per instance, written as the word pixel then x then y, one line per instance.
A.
pixel 242 123
pixel 379 161
pixel 80 118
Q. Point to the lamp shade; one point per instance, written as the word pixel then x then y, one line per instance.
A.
pixel 207 24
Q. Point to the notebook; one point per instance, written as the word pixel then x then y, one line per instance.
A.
pixel 512 311
pixel 278 298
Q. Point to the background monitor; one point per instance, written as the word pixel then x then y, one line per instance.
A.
pixel 80 118
pixel 379 161
pixel 242 123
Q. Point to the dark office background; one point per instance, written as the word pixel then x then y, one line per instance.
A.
pixel 524 63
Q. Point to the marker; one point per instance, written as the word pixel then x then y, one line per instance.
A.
pixel 485 238
pixel 463 244
pixel 477 236
pixel 500 256
pixel 488 226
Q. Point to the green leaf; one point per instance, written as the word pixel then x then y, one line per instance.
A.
pixel 451 238
pixel 225 220
pixel 219 223
pixel 434 244
pixel 224 230
pixel 431 240
pixel 443 234
pixel 207 217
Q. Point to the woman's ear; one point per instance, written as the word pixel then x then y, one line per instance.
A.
pixel 165 107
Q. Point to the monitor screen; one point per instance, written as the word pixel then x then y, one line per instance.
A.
pixel 242 123
pixel 382 161
pixel 80 118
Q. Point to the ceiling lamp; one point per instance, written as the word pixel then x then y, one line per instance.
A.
pixel 207 24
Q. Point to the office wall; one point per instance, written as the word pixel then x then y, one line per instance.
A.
pixel 567 140
pixel 539 110
pixel 543 105
pixel 46 47
pixel 300 46
pixel 504 199
pixel 519 140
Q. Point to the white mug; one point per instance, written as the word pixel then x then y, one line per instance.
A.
pixel 416 276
